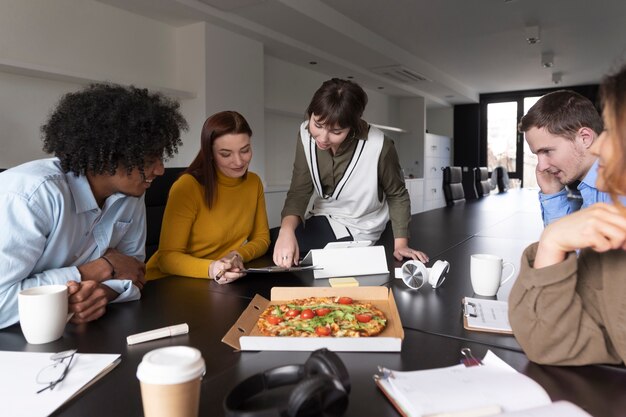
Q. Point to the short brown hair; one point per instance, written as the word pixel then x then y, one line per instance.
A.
pixel 339 103
pixel 562 113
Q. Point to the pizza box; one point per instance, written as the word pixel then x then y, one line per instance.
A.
pixel 244 334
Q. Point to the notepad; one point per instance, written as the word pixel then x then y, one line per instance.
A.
pixel 459 391
pixel 18 381
pixel 486 315
pixel 343 282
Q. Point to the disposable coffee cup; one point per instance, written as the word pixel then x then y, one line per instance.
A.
pixel 170 381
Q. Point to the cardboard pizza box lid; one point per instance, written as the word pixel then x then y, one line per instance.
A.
pixel 244 335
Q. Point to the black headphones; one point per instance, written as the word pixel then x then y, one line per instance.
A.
pixel 322 388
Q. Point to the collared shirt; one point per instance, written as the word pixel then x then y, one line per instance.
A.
pixel 50 224
pixel 331 169
pixel 555 206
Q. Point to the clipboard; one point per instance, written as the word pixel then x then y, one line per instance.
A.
pixel 486 316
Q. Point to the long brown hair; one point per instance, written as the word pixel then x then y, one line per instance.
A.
pixel 203 167
pixel 613 98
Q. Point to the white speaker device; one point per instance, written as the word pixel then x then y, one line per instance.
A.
pixel 415 274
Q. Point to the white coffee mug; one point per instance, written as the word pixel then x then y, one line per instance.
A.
pixel 486 273
pixel 43 313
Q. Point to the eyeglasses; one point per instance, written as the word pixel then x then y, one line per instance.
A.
pixel 54 373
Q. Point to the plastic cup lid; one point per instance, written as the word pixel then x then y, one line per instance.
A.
pixel 171 365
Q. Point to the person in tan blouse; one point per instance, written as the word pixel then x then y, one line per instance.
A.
pixel 571 310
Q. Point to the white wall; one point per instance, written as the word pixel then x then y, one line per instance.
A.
pixel 84 39
pixel 191 76
pixel 88 37
pixel 234 81
pixel 411 114
pixel 24 106
pixel 440 121
pixel 209 68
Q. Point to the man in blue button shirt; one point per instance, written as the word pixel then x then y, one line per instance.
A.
pixel 79 218
pixel 560 128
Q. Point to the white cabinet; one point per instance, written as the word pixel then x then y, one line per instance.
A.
pixel 437 155
pixel 415 187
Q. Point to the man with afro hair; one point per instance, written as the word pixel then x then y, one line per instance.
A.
pixel 78 218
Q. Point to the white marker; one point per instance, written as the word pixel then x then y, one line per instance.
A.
pixel 158 334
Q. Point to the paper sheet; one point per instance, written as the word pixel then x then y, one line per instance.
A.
pixel 19 387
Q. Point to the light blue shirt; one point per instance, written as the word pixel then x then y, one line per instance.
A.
pixel 555 206
pixel 50 223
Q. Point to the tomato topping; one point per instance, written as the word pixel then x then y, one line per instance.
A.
pixel 307 314
pixel 363 318
pixel 292 313
pixel 274 319
pixel 345 300
pixel 322 330
pixel 322 311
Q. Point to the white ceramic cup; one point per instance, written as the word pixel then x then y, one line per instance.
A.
pixel 43 313
pixel 170 380
pixel 486 273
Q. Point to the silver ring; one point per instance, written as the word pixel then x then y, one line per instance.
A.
pixel 285 257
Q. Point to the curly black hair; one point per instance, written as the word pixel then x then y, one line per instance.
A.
pixel 104 126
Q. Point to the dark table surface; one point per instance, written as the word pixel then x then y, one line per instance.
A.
pixel 434 334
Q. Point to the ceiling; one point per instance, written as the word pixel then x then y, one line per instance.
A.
pixel 448 51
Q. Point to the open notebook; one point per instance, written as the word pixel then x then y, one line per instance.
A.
pixel 18 381
pixel 461 391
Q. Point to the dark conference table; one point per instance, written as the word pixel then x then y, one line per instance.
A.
pixel 434 334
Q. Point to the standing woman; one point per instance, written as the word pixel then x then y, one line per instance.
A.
pixel 352 170
pixel 215 218
pixel 567 309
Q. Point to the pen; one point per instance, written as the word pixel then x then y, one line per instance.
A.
pixel 158 334
pixel 490 410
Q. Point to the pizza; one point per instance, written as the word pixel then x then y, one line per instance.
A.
pixel 322 316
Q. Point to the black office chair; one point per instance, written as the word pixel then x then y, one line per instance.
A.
pixel 502 178
pixel 481 181
pixel 453 186
pixel 156 199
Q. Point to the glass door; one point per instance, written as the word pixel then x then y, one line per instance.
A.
pixel 505 145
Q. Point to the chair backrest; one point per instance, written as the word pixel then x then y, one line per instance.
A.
pixel 502 178
pixel 481 180
pixel 156 199
pixel 453 186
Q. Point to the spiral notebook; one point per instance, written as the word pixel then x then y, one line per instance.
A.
pixel 491 389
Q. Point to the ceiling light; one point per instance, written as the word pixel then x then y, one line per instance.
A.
pixel 532 35
pixel 557 77
pixel 547 59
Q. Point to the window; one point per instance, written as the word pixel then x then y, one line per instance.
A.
pixel 500 142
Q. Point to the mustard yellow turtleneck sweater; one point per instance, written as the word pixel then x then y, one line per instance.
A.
pixel 192 236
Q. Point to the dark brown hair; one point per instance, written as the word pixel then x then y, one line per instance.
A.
pixel 613 99
pixel 340 103
pixel 562 113
pixel 203 167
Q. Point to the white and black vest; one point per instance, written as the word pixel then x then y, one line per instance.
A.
pixel 354 205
